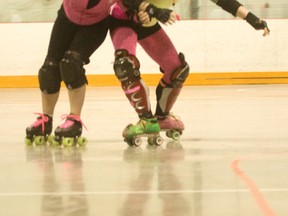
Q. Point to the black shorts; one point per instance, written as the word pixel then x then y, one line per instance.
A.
pixel 67 35
pixel 141 31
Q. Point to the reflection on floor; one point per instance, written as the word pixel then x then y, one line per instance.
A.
pixel 231 159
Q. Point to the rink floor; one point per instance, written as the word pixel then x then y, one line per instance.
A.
pixel 231 159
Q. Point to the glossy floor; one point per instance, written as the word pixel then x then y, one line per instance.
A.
pixel 231 160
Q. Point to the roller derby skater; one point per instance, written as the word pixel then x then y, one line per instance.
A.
pixel 125 34
pixel 39 131
pixel 69 133
pixel 145 30
pixel 80 28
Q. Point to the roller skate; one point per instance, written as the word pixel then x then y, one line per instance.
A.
pixel 146 127
pixel 39 131
pixel 69 133
pixel 172 125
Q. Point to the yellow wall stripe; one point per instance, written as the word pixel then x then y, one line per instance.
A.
pixel 232 78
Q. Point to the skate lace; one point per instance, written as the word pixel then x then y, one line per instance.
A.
pixel 68 123
pixel 40 121
pixel 142 122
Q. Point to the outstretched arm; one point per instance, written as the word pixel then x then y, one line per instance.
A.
pixel 238 10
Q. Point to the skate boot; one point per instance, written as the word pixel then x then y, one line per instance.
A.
pixel 145 127
pixel 172 125
pixel 39 131
pixel 69 133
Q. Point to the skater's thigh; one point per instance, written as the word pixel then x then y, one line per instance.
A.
pixel 88 39
pixel 61 37
pixel 124 37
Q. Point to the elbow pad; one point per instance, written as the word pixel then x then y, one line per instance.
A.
pixel 231 6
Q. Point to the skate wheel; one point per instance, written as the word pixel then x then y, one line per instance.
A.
pixel 128 141
pixel 158 140
pixel 155 140
pixel 150 140
pixel 137 141
pixel 50 139
pixel 28 142
pixel 55 142
pixel 68 141
pixel 82 141
pixel 168 134
pixel 175 135
pixel 40 140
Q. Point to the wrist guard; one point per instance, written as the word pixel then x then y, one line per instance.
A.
pixel 255 22
pixel 160 14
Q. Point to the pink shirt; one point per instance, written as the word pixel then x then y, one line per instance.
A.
pixel 77 12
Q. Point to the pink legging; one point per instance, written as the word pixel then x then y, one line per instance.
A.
pixel 158 46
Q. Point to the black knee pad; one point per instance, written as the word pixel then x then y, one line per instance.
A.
pixel 49 77
pixel 72 71
pixel 126 67
pixel 179 76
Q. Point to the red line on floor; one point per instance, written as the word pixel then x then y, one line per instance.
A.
pixel 253 189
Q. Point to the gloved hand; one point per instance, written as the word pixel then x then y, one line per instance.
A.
pixel 161 14
pixel 257 23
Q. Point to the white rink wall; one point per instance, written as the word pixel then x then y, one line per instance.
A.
pixel 209 46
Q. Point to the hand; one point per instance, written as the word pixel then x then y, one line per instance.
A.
pixel 161 14
pixel 144 18
pixel 172 19
pixel 265 26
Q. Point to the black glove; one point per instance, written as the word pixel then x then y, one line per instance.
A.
pixel 256 22
pixel 160 14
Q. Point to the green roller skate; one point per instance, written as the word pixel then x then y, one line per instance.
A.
pixel 146 127
pixel 69 133
pixel 39 132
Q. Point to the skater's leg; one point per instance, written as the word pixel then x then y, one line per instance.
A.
pixel 49 82
pixel 126 67
pixel 127 70
pixel 76 98
pixel 49 102
pixel 175 71
pixel 161 49
pixel 167 95
pixel 124 38
pixel 85 42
